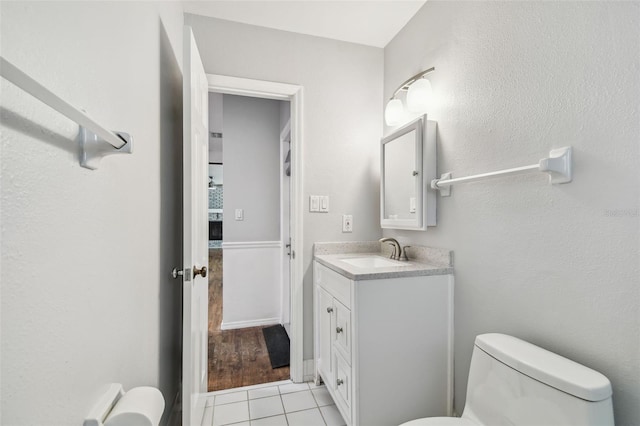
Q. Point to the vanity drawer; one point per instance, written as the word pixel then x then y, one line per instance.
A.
pixel 342 386
pixel 334 283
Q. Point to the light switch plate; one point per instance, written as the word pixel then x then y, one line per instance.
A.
pixel 314 203
pixel 324 203
pixel 239 214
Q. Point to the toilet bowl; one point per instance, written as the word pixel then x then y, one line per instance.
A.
pixel 512 382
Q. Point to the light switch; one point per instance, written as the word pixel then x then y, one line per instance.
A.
pixel 239 214
pixel 314 203
pixel 412 205
pixel 324 203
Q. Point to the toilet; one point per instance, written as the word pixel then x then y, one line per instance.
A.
pixel 512 382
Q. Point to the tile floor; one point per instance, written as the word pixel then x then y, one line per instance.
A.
pixel 272 404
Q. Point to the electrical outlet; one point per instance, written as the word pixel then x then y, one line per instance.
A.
pixel 347 223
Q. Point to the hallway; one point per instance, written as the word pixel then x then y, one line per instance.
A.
pixel 236 357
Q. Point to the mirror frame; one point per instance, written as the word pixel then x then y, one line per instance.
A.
pixel 425 166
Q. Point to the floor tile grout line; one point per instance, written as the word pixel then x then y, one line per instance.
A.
pixel 322 415
pixel 286 419
pixel 232 402
pixel 247 388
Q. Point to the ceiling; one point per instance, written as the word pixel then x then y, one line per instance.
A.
pixel 373 23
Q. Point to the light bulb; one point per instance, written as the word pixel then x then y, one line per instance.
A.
pixel 419 95
pixel 393 112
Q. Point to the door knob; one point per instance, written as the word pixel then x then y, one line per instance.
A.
pixel 339 382
pixel 339 329
pixel 202 271
pixel 177 273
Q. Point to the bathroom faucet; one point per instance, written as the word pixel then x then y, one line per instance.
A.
pixel 397 253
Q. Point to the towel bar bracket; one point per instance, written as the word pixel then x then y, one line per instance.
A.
pixel 93 147
pixel 559 165
pixel 445 191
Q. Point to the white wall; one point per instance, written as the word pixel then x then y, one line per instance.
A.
pixel 342 121
pixel 252 276
pixel 86 296
pixel 251 168
pixel 555 265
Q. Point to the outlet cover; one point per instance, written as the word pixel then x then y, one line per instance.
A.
pixel 347 223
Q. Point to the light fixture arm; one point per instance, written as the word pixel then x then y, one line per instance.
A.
pixel 411 80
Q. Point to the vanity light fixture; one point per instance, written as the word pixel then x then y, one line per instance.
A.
pixel 419 94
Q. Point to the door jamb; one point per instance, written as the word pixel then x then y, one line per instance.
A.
pixel 293 93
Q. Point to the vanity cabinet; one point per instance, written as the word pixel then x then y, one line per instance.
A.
pixel 384 347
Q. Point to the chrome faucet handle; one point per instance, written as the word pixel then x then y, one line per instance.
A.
pixel 403 253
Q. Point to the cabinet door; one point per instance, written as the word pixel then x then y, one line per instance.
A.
pixel 326 330
pixel 343 330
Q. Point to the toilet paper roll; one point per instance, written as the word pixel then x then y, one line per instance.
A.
pixel 141 406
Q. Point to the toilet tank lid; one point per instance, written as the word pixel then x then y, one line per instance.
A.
pixel 546 367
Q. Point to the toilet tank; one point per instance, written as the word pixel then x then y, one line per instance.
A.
pixel 515 383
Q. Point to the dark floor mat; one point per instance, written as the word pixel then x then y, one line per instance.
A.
pixel 277 344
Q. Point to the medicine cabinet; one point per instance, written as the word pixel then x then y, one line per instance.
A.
pixel 408 164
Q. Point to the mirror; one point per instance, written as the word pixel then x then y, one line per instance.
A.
pixel 408 159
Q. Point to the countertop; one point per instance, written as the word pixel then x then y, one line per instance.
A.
pixel 409 268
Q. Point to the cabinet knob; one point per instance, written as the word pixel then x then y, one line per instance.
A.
pixel 339 382
pixel 339 330
pixel 329 309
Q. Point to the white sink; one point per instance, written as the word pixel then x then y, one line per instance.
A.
pixel 371 262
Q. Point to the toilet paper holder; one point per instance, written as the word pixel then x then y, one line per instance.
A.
pixel 139 406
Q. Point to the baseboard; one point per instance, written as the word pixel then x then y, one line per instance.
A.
pixel 309 368
pixel 246 324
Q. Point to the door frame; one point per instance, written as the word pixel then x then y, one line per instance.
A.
pixel 292 93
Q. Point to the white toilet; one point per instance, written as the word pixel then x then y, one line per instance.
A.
pixel 515 383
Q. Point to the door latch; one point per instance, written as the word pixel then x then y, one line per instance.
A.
pixel 186 274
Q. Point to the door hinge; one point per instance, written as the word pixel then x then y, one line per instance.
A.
pixel 290 252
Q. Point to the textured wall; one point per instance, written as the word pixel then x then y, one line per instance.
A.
pixel 342 121
pixel 86 296
pixel 555 265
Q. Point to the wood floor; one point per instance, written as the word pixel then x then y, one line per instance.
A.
pixel 236 357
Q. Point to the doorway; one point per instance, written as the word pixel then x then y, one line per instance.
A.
pixel 235 338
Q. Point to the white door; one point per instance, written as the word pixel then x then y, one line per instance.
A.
pixel 195 230
pixel 285 224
